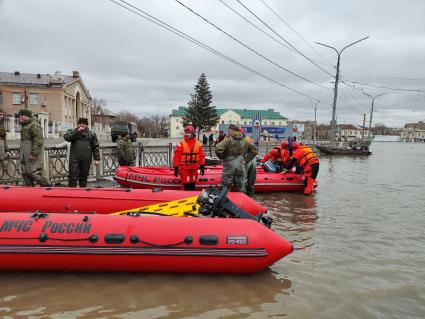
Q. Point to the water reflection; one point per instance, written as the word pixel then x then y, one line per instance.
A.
pixel 89 295
pixel 294 216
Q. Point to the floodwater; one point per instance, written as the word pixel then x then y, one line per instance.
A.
pixel 360 253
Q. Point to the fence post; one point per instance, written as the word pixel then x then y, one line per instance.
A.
pixel 141 157
pixel 170 155
pixel 98 167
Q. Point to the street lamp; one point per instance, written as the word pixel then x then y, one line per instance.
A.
pixel 333 122
pixel 371 111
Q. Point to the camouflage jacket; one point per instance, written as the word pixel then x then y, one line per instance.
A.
pixel 84 144
pixel 2 132
pixel 31 131
pixel 125 152
pixel 235 145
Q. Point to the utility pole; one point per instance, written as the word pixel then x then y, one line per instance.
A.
pixel 364 123
pixel 315 122
pixel 371 112
pixel 333 122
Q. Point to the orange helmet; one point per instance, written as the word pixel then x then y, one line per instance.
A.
pixel 295 145
pixel 284 144
pixel 189 129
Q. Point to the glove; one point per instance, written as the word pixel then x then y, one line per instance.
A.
pixel 201 170
pixel 176 171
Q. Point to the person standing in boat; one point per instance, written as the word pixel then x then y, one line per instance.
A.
pixel 31 150
pixel 236 152
pixel 307 160
pixel 125 151
pixel 251 169
pixel 188 158
pixel 84 147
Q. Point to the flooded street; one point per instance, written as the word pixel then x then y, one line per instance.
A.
pixel 359 253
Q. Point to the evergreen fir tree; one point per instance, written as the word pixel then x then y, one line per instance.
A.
pixel 199 112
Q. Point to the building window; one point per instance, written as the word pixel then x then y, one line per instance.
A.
pixel 280 123
pixel 244 123
pixel 250 122
pixel 272 123
pixel 33 98
pixel 222 122
pixel 177 127
pixel 265 122
pixel 16 98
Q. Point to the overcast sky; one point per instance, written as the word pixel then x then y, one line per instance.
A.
pixel 140 67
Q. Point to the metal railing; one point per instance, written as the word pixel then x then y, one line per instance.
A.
pixel 56 163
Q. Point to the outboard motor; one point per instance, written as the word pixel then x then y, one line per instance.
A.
pixel 214 202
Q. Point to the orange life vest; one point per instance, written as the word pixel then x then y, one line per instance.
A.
pixel 305 156
pixel 190 155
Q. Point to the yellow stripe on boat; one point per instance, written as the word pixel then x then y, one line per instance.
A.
pixel 182 207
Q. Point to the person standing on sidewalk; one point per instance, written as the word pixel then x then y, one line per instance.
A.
pixel 84 147
pixel 2 138
pixel 31 150
pixel 125 152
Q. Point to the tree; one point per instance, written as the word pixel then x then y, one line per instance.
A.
pixel 199 112
pixel 98 110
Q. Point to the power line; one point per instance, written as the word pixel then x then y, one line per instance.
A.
pixel 187 37
pixel 386 87
pixel 286 41
pixel 264 32
pixel 255 26
pixel 249 48
pixel 387 78
pixel 299 35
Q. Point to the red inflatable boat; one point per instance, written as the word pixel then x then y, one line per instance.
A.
pixel 151 177
pixel 100 200
pixel 79 242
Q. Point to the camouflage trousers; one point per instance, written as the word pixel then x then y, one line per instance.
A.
pixel 234 173
pixel 1 150
pixel 31 171
pixel 251 175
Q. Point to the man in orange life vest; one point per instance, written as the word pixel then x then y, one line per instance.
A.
pixel 305 158
pixel 188 157
pixel 278 155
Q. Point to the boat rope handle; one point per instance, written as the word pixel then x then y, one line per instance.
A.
pixel 43 237
pixel 135 239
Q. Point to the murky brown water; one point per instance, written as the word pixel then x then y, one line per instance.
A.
pixel 360 253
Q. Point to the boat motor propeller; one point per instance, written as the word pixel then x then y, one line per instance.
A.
pixel 214 202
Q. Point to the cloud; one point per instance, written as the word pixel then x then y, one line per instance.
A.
pixel 146 69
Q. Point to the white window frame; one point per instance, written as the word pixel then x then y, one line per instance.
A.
pixel 15 97
pixel 33 98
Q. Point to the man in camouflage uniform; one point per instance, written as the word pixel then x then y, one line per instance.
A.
pixel 31 151
pixel 125 151
pixel 2 138
pixel 84 146
pixel 236 153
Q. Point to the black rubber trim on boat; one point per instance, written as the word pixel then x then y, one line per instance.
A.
pixel 209 240
pixel 114 238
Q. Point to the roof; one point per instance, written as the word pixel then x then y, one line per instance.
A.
pixel 350 127
pixel 244 113
pixel 32 79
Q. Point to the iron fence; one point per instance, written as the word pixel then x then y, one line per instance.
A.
pixel 56 162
